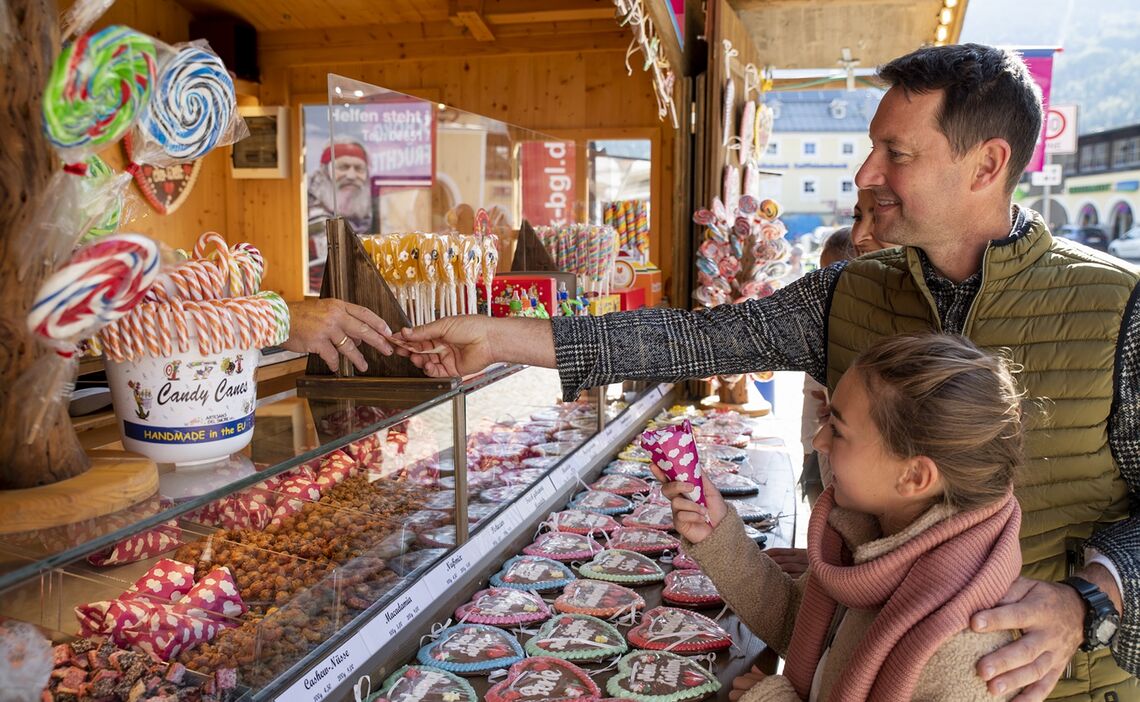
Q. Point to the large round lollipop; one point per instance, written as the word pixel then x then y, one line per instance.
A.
pixel 97 88
pixel 191 107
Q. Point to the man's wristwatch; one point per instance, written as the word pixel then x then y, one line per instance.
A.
pixel 1101 617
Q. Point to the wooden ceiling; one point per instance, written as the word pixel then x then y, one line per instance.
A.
pixel 812 33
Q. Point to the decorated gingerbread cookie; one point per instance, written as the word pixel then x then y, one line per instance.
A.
pixel 417 683
pixel 752 514
pixel 425 519
pixel 502 606
pixel 532 573
pixel 724 453
pixel 690 587
pixel 679 630
pixel 601 502
pixel 620 566
pixel 544 679
pixel 624 485
pixel 651 541
pixel 580 521
pixel 471 649
pixel 681 561
pixel 502 493
pixel 650 516
pixel 660 676
pixel 563 546
pixel 731 484
pixel 634 452
pixel 577 637
pixel 598 598
pixel 635 469
pixel 718 466
pixel 439 537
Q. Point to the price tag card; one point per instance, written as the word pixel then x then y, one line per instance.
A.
pixel 398 614
pixel 564 474
pixel 439 579
pixel 329 673
pixel 493 533
pixel 533 499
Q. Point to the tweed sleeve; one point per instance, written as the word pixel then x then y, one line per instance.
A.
pixel 1120 542
pixel 785 331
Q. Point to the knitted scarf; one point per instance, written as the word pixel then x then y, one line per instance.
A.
pixel 925 590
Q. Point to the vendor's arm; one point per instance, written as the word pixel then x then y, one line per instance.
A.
pixel 330 327
pixel 764 597
pixel 1051 615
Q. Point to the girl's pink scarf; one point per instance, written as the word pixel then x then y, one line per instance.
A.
pixel 926 591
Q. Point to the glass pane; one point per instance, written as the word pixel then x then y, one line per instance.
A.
pixel 619 184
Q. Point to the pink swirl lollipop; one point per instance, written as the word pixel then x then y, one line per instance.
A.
pixel 101 283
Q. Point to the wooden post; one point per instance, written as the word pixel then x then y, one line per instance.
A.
pixel 26 164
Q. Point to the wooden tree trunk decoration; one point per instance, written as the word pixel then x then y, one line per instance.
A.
pixel 26 164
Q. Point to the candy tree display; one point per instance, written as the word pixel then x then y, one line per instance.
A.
pixel 742 258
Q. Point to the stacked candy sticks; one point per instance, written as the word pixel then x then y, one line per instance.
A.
pixel 587 250
pixel 428 271
pixel 630 218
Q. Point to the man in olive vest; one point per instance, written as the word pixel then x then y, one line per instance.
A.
pixel 950 140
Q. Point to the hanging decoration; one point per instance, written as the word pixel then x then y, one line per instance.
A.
pixel 165 188
pixel 742 258
pixel 645 39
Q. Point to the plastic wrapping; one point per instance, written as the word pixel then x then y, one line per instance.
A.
pixel 191 110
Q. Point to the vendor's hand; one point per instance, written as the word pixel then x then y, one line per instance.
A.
pixel 793 561
pixel 330 327
pixel 743 683
pixel 1051 619
pixel 461 346
pixel 691 520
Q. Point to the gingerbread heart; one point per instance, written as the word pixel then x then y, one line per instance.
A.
pixel 417 683
pixel 636 469
pixel 425 519
pixel 660 676
pixel 751 514
pixel 503 493
pixel 717 466
pixel 724 453
pixel 683 562
pixel 580 521
pixel 439 537
pixel 601 502
pixel 732 484
pixel 598 598
pixel 620 485
pixel 634 453
pixel 470 649
pixel 563 546
pixel 651 541
pixel 650 516
pixel 668 628
pixel 444 499
pixel 578 637
pixel 544 679
pixel 532 573
pixel 690 587
pixel 619 566
pixel 503 606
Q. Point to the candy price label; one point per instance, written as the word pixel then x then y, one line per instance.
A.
pixel 404 609
pixel 329 673
pixel 537 496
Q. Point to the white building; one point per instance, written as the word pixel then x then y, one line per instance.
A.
pixel 818 143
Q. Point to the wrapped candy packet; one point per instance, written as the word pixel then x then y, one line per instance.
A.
pixel 674 450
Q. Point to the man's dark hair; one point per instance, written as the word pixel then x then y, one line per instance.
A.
pixel 987 93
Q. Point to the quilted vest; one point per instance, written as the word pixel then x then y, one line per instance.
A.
pixel 1055 309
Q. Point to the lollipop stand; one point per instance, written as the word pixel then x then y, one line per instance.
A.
pixel 351 276
pixel 530 254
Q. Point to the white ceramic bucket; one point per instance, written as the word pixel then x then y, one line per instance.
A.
pixel 186 408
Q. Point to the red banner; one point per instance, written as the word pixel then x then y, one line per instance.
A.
pixel 548 192
pixel 1040 63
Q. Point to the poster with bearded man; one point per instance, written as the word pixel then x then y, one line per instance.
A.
pixel 343 171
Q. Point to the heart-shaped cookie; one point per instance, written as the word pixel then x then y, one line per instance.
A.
pixel 679 630
pixel 660 676
pixel 650 516
pixel 598 598
pixel 577 637
pixel 443 499
pixel 620 566
pixel 620 485
pixel 502 606
pixel 718 466
pixel 417 683
pixel 751 514
pixel 544 679
pixel 563 546
pixel 690 587
pixel 439 537
pixel 532 573
pixel 724 453
pixel 580 521
pixel 601 502
pixel 683 562
pixel 502 493
pixel 425 519
pixel 651 541
pixel 470 649
pixel 636 469
pixel 634 452
pixel 732 484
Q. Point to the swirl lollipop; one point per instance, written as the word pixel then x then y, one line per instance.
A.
pixel 97 89
pixel 191 108
pixel 101 199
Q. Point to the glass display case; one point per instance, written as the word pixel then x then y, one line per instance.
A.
pixel 265 575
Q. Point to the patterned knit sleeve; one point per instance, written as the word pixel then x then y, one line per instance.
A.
pixel 784 331
pixel 1120 542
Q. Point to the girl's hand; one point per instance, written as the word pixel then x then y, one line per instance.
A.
pixel 743 683
pixel 691 520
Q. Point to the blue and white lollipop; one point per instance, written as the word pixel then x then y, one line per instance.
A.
pixel 192 105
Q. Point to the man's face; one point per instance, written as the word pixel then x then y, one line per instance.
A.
pixel 918 185
pixel 350 171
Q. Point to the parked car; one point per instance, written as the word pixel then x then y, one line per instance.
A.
pixel 1127 246
pixel 1092 237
